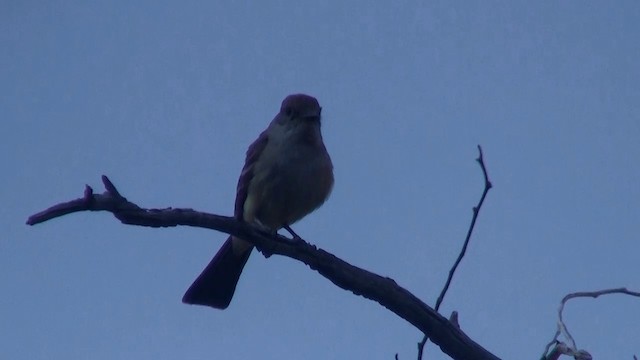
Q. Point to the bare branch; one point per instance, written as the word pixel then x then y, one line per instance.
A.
pixel 572 349
pixel 463 251
pixel 558 350
pixel 383 290
pixel 476 211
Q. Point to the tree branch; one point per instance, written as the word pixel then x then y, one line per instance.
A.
pixel 383 290
pixel 571 349
pixel 463 251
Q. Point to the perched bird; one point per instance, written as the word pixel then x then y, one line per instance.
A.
pixel 287 174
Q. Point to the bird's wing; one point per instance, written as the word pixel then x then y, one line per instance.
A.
pixel 253 154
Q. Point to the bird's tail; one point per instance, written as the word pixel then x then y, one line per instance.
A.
pixel 217 282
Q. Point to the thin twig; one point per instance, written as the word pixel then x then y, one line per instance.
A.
pixel 383 290
pixel 476 211
pixel 572 348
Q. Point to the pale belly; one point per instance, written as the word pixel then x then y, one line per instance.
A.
pixel 285 192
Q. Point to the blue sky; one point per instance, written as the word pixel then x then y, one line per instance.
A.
pixel 165 97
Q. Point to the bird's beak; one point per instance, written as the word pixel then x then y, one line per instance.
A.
pixel 312 115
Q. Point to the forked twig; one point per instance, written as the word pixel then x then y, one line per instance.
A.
pixel 571 349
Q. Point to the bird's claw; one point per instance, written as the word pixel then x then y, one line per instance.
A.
pixel 296 237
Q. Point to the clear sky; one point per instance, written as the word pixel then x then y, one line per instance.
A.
pixel 165 97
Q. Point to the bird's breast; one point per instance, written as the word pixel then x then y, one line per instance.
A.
pixel 291 179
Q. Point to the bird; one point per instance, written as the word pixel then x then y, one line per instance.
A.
pixel 287 174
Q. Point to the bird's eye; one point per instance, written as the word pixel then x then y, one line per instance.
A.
pixel 288 111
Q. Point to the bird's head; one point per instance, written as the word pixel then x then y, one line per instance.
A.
pixel 300 107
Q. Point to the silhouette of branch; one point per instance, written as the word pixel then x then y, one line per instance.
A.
pixel 560 348
pixel 383 290
pixel 463 251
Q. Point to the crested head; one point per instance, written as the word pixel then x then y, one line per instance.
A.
pixel 300 105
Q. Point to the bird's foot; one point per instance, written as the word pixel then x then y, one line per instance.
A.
pixel 296 237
